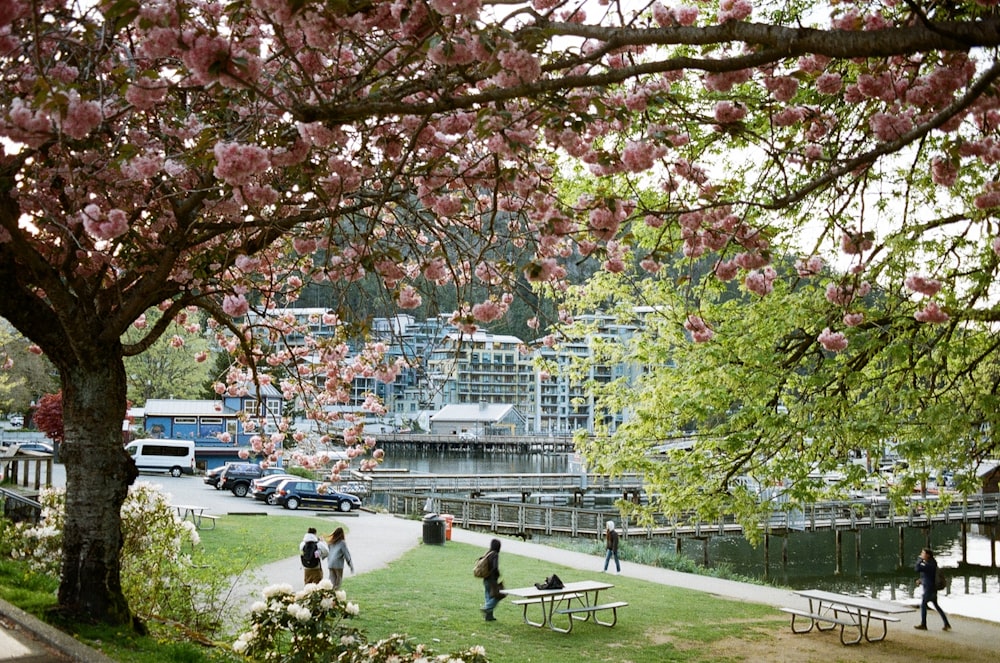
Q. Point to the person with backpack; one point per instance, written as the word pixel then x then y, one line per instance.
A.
pixel 611 545
pixel 339 554
pixel 491 580
pixel 928 569
pixel 312 552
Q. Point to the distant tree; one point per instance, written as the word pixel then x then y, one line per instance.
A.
pixel 48 418
pixel 175 366
pixel 25 375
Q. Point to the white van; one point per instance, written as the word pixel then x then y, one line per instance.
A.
pixel 173 456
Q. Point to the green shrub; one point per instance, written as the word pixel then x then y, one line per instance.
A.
pixel 159 579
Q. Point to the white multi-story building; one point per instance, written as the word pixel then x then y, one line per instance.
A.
pixel 565 403
pixel 483 368
pixel 448 367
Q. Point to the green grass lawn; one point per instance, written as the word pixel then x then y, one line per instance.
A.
pixel 431 595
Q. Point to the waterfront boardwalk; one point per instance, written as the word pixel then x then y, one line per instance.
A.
pixel 522 518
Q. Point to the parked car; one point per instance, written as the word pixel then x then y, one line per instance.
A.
pixel 16 420
pixel 40 447
pixel 213 475
pixel 237 477
pixel 297 492
pixel 264 487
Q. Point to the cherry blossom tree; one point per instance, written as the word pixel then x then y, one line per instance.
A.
pixel 185 154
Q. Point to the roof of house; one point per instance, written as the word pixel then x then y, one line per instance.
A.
pixel 165 407
pixel 473 412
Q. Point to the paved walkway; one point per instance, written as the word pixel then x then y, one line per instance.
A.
pixel 375 540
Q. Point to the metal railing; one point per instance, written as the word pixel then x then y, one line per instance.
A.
pixel 18 508
pixel 524 518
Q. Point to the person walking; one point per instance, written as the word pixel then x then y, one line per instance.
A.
pixel 491 583
pixel 338 556
pixel 928 569
pixel 611 545
pixel 312 552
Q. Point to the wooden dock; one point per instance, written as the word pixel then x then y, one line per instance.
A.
pixel 491 444
pixel 571 485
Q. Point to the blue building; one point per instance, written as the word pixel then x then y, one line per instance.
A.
pixel 204 420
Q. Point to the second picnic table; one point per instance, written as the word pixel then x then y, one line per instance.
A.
pixel 848 612
pixel 584 593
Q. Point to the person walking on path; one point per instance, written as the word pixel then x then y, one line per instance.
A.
pixel 491 583
pixel 611 544
pixel 338 556
pixel 928 569
pixel 312 552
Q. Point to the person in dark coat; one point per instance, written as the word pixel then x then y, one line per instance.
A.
pixel 611 545
pixel 927 568
pixel 491 583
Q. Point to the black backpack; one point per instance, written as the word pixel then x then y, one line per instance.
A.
pixel 552 582
pixel 310 555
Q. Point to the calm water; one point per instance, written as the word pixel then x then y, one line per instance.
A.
pixel 876 570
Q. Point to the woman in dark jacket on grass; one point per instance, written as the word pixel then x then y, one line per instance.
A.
pixel 491 583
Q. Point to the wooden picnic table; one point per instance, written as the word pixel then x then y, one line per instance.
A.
pixel 196 514
pixel 585 593
pixel 826 610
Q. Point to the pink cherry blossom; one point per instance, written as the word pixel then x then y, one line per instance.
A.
pixel 856 242
pixel 809 266
pixel 237 164
pixel 469 8
pixel 932 314
pixel 760 283
pixel 409 298
pixel 923 285
pixel 488 311
pixel 727 112
pixel 734 10
pixel 726 270
pixel 81 117
pixel 944 171
pixel 235 305
pixel 853 319
pixel 832 341
pixel 829 83
pixel 700 331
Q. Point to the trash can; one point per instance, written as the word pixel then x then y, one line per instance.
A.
pixel 434 529
pixel 449 520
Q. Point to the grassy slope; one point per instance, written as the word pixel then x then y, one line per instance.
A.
pixel 431 595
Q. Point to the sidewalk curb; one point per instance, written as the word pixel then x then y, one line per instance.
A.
pixel 48 636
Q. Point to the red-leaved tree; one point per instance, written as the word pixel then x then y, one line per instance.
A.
pixel 48 417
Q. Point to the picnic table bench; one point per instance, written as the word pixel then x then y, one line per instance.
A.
pixel 585 593
pixel 196 514
pixel 828 610
pixel 594 609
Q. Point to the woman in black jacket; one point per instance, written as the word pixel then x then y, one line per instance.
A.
pixel 491 583
pixel 927 568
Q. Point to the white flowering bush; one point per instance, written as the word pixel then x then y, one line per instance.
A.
pixel 310 625
pixel 159 579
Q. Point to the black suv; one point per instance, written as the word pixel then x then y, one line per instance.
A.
pixel 237 477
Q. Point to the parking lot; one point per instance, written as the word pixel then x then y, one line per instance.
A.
pixel 192 490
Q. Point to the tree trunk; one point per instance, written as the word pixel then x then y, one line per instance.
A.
pixel 98 474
